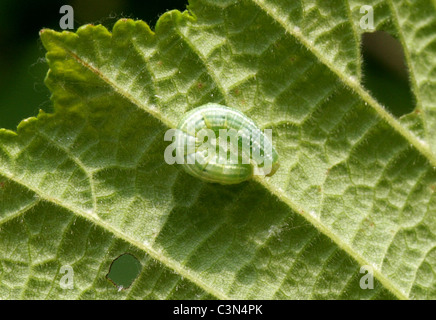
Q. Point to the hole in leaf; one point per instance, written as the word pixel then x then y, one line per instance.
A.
pixel 123 271
pixel 385 72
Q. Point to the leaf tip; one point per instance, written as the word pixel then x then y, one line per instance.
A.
pixel 42 31
pixel 7 132
pixel 25 123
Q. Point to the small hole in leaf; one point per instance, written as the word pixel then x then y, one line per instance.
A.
pixel 124 270
pixel 385 72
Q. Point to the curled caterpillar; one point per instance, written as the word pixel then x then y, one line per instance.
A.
pixel 202 145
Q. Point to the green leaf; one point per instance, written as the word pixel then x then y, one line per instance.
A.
pixel 88 183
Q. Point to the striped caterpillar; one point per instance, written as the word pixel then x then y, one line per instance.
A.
pixel 201 145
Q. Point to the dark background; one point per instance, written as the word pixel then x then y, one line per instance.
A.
pixel 22 65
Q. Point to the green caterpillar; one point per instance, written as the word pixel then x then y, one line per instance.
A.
pixel 252 154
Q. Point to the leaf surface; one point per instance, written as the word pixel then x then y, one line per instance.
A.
pixel 356 186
